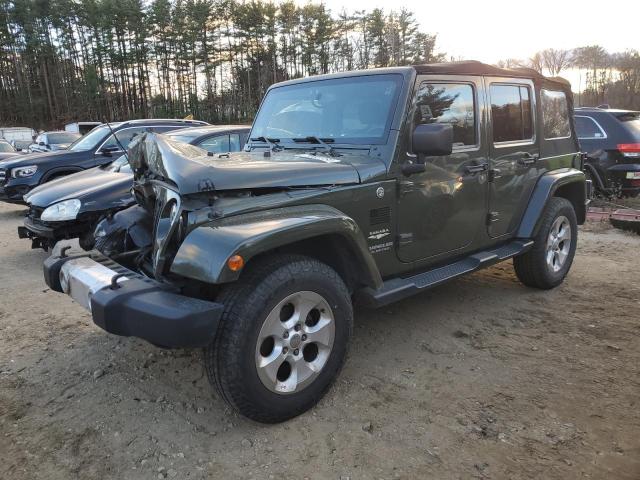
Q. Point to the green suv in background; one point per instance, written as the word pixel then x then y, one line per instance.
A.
pixel 366 187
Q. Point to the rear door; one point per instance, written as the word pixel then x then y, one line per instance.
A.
pixel 514 151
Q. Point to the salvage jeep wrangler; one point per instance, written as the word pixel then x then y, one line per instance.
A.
pixel 365 187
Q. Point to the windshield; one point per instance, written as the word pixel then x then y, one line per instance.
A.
pixel 6 147
pixel 66 137
pixel 90 140
pixel 343 110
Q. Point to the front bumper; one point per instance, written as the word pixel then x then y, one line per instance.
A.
pixel 126 303
pixel 14 194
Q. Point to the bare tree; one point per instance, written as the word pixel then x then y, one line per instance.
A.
pixel 556 60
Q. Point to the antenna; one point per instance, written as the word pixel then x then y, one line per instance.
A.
pixel 117 139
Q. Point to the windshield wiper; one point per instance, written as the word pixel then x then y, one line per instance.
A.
pixel 272 142
pixel 324 142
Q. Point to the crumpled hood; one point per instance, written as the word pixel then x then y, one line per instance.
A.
pixel 95 185
pixel 193 171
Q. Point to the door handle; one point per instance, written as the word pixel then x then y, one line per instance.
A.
pixel 528 159
pixel 483 167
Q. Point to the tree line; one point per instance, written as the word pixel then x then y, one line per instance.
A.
pixel 611 78
pixel 73 60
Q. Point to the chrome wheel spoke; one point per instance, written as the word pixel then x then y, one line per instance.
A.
pixel 565 232
pixel 304 305
pixel 271 364
pixel 321 333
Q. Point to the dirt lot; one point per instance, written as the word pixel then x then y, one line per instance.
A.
pixel 480 378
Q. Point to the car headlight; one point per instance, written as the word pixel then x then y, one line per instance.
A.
pixel 65 210
pixel 22 172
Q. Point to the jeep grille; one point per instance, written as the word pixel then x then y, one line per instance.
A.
pixel 166 219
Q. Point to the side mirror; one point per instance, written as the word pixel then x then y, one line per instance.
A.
pixel 42 144
pixel 432 139
pixel 108 151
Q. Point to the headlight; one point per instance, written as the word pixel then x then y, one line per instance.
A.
pixel 22 172
pixel 66 210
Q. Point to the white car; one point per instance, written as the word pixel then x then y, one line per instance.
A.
pixel 52 141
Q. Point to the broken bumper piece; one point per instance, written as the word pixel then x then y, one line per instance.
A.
pixel 126 303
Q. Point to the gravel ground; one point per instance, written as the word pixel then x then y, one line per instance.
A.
pixel 479 378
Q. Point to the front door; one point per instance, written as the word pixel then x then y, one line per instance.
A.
pixel 514 152
pixel 443 209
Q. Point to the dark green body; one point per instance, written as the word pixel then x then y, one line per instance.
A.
pixel 388 224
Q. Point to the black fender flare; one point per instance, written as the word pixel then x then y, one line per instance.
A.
pixel 597 178
pixel 204 252
pixel 568 183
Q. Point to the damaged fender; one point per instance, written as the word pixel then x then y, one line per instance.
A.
pixel 204 253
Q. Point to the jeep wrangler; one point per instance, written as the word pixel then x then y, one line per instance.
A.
pixel 366 187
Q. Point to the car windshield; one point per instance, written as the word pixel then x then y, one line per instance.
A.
pixel 62 137
pixel 354 110
pixel 90 140
pixel 6 147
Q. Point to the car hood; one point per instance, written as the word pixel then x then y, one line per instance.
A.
pixel 38 158
pixel 8 155
pixel 193 171
pixel 96 188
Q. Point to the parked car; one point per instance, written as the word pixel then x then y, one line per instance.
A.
pixel 611 139
pixel 100 146
pixel 71 206
pixel 53 141
pixel 7 150
pixel 19 137
pixel 81 127
pixel 367 185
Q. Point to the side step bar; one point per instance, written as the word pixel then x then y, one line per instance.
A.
pixel 398 288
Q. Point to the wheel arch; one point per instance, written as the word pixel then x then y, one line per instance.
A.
pixel 569 184
pixel 59 172
pixel 317 231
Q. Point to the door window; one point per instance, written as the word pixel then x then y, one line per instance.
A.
pixel 555 114
pixel 511 113
pixel 234 142
pixel 588 129
pixel 217 144
pixel 448 103
pixel 124 136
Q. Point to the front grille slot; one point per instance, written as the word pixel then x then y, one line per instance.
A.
pixel 378 216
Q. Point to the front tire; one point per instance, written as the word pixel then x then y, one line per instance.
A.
pixel 546 265
pixel 283 337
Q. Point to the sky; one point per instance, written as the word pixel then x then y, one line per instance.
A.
pixel 494 30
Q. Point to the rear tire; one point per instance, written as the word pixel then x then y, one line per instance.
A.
pixel 283 337
pixel 546 265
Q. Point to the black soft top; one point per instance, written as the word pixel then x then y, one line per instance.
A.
pixel 473 67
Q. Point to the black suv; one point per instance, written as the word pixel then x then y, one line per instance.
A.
pixel 98 147
pixel 365 186
pixel 611 139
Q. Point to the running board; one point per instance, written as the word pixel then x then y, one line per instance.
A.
pixel 398 288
